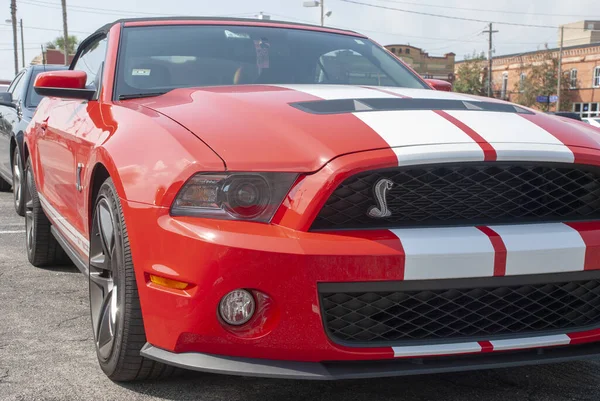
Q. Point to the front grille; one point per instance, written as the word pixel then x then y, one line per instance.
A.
pixel 466 193
pixel 383 318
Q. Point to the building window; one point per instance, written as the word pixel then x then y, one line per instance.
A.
pixel 504 85
pixel 587 110
pixel 597 77
pixel 522 82
pixel 394 50
pixel 407 51
pixel 573 79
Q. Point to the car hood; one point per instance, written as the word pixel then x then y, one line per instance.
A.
pixel 302 127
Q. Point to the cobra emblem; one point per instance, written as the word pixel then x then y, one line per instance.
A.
pixel 380 191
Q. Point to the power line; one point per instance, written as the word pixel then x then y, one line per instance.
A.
pixel 488 10
pixel 46 29
pixel 447 16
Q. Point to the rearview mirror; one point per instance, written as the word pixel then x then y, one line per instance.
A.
pixel 439 85
pixel 66 84
pixel 6 99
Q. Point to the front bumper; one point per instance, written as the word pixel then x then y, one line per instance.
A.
pixel 289 266
pixel 367 369
pixel 288 263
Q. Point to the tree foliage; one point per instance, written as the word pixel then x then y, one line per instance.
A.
pixel 59 43
pixel 541 79
pixel 469 76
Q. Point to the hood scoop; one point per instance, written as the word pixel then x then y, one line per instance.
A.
pixel 340 106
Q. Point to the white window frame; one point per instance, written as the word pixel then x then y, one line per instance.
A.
pixel 573 79
pixel 504 89
pixel 522 79
pixel 596 82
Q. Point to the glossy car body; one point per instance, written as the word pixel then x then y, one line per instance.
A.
pixel 151 146
pixel 15 117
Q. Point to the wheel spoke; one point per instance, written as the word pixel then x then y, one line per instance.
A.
pixel 103 288
pixel 105 327
pixel 106 228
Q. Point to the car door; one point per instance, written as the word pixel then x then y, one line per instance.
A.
pixel 9 117
pixel 64 145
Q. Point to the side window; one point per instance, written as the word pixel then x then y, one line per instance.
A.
pixel 18 88
pixel 91 60
pixel 15 82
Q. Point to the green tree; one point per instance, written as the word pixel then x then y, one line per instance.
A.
pixel 541 79
pixel 59 43
pixel 469 77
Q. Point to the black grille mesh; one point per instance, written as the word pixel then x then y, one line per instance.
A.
pixel 472 193
pixel 387 317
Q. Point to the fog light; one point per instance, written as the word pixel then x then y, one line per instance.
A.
pixel 237 307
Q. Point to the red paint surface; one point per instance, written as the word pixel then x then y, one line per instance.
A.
pixel 500 252
pixel 590 233
pixel 65 79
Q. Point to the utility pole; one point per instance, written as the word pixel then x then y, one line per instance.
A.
pixel 490 61
pixel 22 44
pixel 560 56
pixel 65 31
pixel 13 17
pixel 322 12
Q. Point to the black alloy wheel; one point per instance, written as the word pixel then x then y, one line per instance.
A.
pixel 115 309
pixel 106 254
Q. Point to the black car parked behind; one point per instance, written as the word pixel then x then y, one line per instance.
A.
pixel 17 106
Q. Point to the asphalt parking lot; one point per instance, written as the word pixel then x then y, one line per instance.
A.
pixel 47 353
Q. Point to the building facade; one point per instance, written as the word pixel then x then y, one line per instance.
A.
pixel 427 66
pixel 580 63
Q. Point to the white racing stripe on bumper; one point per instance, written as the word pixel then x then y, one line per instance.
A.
pixel 439 349
pixel 542 248
pixel 531 342
pixel 449 252
pixel 65 227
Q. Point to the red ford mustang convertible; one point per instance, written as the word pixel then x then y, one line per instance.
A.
pixel 261 198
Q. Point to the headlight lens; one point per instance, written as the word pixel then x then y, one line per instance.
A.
pixel 233 196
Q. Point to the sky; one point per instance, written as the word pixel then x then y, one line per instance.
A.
pixel 42 20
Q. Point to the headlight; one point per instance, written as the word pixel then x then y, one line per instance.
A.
pixel 233 196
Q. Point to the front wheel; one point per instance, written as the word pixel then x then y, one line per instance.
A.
pixel 114 303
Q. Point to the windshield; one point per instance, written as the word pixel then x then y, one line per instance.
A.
pixel 161 58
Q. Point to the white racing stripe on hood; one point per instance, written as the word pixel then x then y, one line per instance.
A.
pixel 428 94
pixel 506 131
pixel 413 127
pixel 335 92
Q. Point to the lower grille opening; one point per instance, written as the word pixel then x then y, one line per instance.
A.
pixel 478 312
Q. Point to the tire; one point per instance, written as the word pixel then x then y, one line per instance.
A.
pixel 18 183
pixel 117 319
pixel 42 247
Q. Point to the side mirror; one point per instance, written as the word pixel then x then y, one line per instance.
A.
pixel 439 85
pixel 66 84
pixel 6 99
